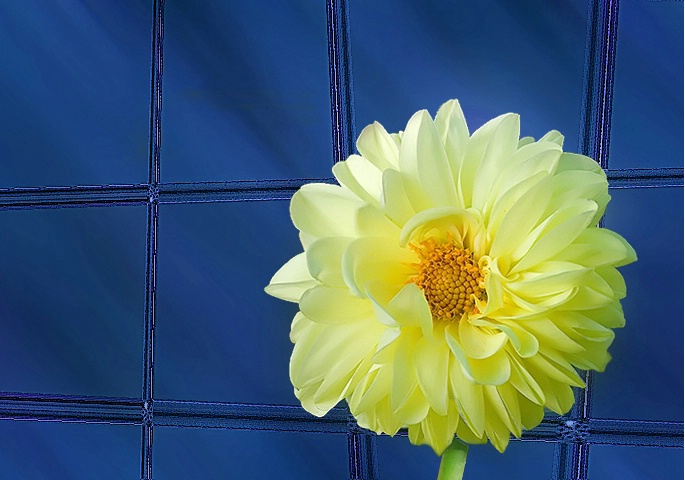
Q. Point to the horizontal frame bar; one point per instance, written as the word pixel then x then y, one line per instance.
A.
pixel 243 190
pixel 292 418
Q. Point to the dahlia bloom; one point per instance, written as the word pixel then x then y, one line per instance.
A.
pixel 452 283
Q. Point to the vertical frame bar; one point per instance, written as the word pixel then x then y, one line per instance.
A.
pixel 571 456
pixel 151 244
pixel 340 74
pixel 361 448
pixel 361 444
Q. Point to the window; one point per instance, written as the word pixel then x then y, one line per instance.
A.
pixel 135 337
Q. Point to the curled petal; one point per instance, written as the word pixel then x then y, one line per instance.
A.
pixel 291 280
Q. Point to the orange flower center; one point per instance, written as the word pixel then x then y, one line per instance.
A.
pixel 450 278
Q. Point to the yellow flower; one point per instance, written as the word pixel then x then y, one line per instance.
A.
pixel 452 283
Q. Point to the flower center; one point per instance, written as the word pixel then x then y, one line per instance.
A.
pixel 450 278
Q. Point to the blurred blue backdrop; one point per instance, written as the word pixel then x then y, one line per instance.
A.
pixel 246 96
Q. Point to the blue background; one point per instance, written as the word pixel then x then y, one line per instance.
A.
pixel 246 96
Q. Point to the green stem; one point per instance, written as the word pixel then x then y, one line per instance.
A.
pixel 453 461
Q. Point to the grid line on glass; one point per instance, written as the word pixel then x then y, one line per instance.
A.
pixel 361 444
pixel 291 418
pixel 147 426
pixel 244 190
pixel 571 458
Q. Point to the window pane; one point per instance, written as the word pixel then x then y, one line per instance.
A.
pixel 72 300
pixel 522 460
pixel 51 450
pixel 494 56
pixel 645 378
pixel 647 119
pixel 246 91
pixel 219 454
pixel 635 463
pixel 219 336
pixel 76 99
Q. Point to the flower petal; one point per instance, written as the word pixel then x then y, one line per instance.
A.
pixel 431 362
pixel 454 133
pixel 477 342
pixel 325 210
pixel 468 396
pixel 573 161
pixel 291 280
pixel 493 370
pixel 519 218
pixel 424 165
pixel 395 202
pixel 404 380
pixel 324 259
pixel 361 177
pixel 499 148
pixel 563 228
pixel 321 346
pixel 370 259
pixel 596 247
pixel 377 146
pixel 328 305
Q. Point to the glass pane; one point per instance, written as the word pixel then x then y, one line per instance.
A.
pixel 72 294
pixel 494 56
pixel 635 463
pixel 645 378
pixel 522 460
pixel 218 454
pixel 219 336
pixel 647 119
pixel 76 99
pixel 51 450
pixel 246 91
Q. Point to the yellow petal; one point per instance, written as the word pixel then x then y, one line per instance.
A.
pixel 531 413
pixel 468 397
pixel 361 177
pixel 471 162
pixel 493 370
pixel 319 349
pixel 477 342
pixel 325 210
pixel 503 401
pixel 554 137
pixel 573 161
pixel 524 382
pixel 324 259
pixel 395 202
pixel 500 147
pixel 404 380
pixel 432 362
pixel 525 343
pixel 561 230
pixel 328 305
pixel 596 247
pixel 454 134
pixel 369 259
pixel 414 409
pixel 291 280
pixel 376 386
pixel 438 430
pixel 424 165
pixel 438 222
pixel 298 325
pixel 519 218
pixel 378 147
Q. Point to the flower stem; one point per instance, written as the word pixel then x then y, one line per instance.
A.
pixel 453 461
